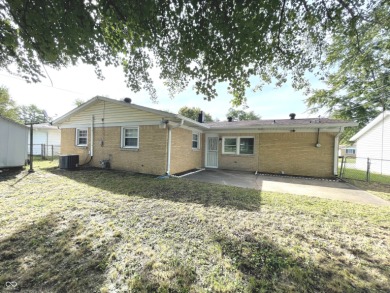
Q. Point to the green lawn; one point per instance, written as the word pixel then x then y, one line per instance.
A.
pixel 111 231
pixel 362 175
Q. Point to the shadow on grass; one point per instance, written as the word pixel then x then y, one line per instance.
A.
pixel 45 257
pixel 268 268
pixel 173 189
pixel 12 173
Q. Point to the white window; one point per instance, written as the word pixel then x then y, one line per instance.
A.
pixel 350 151
pixel 82 136
pixel 130 137
pixel 195 140
pixel 238 145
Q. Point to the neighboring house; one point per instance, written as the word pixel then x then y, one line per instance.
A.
pixel 373 142
pixel 46 139
pixel 13 143
pixel 347 151
pixel 146 140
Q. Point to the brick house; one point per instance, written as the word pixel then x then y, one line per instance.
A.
pixel 135 138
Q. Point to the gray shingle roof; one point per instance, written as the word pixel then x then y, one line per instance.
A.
pixel 308 122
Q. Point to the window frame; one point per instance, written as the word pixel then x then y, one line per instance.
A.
pixel 238 144
pixel 350 151
pixel 78 136
pixel 123 138
pixel 197 141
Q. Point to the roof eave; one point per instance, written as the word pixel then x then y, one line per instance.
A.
pixel 311 126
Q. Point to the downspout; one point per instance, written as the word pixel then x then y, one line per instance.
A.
pixel 169 151
pixel 336 152
pixel 92 125
pixel 168 172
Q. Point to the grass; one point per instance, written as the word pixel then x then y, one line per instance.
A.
pixel 111 231
pixel 355 174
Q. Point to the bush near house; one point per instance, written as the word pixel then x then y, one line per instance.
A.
pixel 96 230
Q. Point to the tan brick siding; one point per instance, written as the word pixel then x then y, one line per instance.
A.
pixel 68 144
pixel 290 153
pixel 239 162
pixel 150 158
pixel 296 154
pixel 183 157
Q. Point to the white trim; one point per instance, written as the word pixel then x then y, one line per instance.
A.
pixel 198 140
pixel 77 136
pixel 238 143
pixel 115 124
pixel 278 130
pixel 382 116
pixel 208 135
pixel 123 138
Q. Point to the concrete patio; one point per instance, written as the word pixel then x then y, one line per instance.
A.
pixel 329 189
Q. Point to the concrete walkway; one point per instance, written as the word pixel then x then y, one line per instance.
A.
pixel 300 186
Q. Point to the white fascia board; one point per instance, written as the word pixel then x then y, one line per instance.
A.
pixel 64 117
pixel 193 129
pixel 119 124
pixel 193 122
pixel 277 130
pixel 370 125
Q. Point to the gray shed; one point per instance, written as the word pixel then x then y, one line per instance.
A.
pixel 13 143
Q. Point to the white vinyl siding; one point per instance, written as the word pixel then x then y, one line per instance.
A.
pixel 81 136
pixel 106 113
pixel 369 145
pixel 238 145
pixel 130 137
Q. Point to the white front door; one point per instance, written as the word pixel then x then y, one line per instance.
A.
pixel 212 152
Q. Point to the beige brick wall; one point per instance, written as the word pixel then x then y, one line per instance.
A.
pixel 239 162
pixel 183 157
pixel 68 145
pixel 291 153
pixel 150 158
pixel 296 154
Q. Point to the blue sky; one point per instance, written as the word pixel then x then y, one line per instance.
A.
pixel 80 82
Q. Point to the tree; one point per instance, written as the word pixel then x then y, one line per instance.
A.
pixel 202 41
pixel 242 115
pixel 358 87
pixel 32 114
pixel 193 113
pixel 8 106
pixel 78 102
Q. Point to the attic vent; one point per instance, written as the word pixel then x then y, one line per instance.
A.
pixel 127 100
pixel 230 119
pixel 292 116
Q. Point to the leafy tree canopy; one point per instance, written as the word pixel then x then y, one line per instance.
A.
pixel 358 67
pixel 242 115
pixel 202 41
pixel 8 106
pixel 193 113
pixel 33 114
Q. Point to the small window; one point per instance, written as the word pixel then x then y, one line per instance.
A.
pixel 238 145
pixel 230 145
pixel 130 137
pixel 195 140
pixel 350 151
pixel 81 136
pixel 246 145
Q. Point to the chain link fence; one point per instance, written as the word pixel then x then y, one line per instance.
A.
pixel 365 169
pixel 47 152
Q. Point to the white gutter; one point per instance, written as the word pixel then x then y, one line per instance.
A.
pixel 170 144
pixel 92 125
pixel 336 151
pixel 169 150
